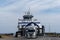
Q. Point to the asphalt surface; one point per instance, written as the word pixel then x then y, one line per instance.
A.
pixel 39 38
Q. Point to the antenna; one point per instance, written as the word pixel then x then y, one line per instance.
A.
pixel 28 12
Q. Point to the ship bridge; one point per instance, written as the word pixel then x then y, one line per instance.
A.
pixel 28 16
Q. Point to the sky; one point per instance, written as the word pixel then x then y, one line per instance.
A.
pixel 46 11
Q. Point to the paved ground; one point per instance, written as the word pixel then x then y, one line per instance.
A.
pixel 39 38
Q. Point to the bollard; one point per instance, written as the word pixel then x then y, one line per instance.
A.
pixel 0 36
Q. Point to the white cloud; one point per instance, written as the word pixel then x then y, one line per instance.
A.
pixel 34 5
pixel 9 12
pixel 8 22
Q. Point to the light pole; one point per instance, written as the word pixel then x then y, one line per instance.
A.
pixel 49 27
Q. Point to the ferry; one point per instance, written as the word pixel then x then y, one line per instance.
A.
pixel 29 27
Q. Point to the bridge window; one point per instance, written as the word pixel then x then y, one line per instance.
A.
pixel 31 30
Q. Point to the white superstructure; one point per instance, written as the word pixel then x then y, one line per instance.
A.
pixel 31 24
